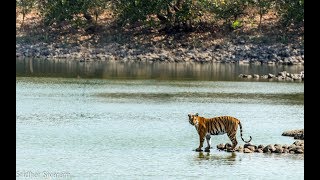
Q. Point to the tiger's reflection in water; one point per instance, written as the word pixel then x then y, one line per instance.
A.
pixel 216 158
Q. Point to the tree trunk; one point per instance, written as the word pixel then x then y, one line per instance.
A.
pixel 88 17
pixel 23 16
pixel 260 20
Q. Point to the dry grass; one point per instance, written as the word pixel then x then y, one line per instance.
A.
pixel 205 33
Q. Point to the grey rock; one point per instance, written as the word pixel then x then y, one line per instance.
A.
pixel 227 146
pixel 247 144
pixel 298 151
pixel 247 150
pixel 252 148
pixel 221 146
pixel 283 73
pixel 259 150
pixel 270 75
pixel 298 143
pixel 278 149
pixel 256 76
pixel 269 147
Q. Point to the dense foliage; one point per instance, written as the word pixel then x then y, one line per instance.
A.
pixel 167 13
pixel 291 11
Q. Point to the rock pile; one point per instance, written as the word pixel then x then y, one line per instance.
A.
pixel 297 134
pixel 284 75
pixel 296 148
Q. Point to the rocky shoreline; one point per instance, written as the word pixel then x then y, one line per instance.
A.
pixel 234 51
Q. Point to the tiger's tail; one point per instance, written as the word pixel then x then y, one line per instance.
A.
pixel 241 134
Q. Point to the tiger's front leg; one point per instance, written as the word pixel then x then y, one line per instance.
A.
pixel 208 138
pixel 201 138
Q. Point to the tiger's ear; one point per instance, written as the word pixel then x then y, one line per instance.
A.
pixel 197 114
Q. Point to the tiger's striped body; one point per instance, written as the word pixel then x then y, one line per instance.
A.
pixel 216 126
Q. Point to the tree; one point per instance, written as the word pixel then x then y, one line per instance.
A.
pixel 25 7
pixel 56 11
pixel 169 13
pixel 263 6
pixel 229 10
pixel 290 11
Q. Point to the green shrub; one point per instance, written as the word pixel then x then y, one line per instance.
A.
pixel 291 11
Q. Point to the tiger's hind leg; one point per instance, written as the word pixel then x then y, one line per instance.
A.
pixel 208 138
pixel 234 141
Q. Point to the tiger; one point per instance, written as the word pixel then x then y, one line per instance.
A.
pixel 216 126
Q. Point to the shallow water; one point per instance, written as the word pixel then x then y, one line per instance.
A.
pixel 74 128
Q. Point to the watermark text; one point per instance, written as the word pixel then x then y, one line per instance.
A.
pixel 43 174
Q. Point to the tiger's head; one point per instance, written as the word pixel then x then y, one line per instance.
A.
pixel 192 117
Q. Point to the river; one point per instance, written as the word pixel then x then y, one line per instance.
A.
pixel 129 121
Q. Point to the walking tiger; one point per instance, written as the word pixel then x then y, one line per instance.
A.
pixel 216 126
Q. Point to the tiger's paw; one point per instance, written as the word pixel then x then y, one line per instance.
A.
pixel 198 150
pixel 207 150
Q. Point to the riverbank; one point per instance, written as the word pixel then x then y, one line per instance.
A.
pixel 228 52
pixel 270 44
